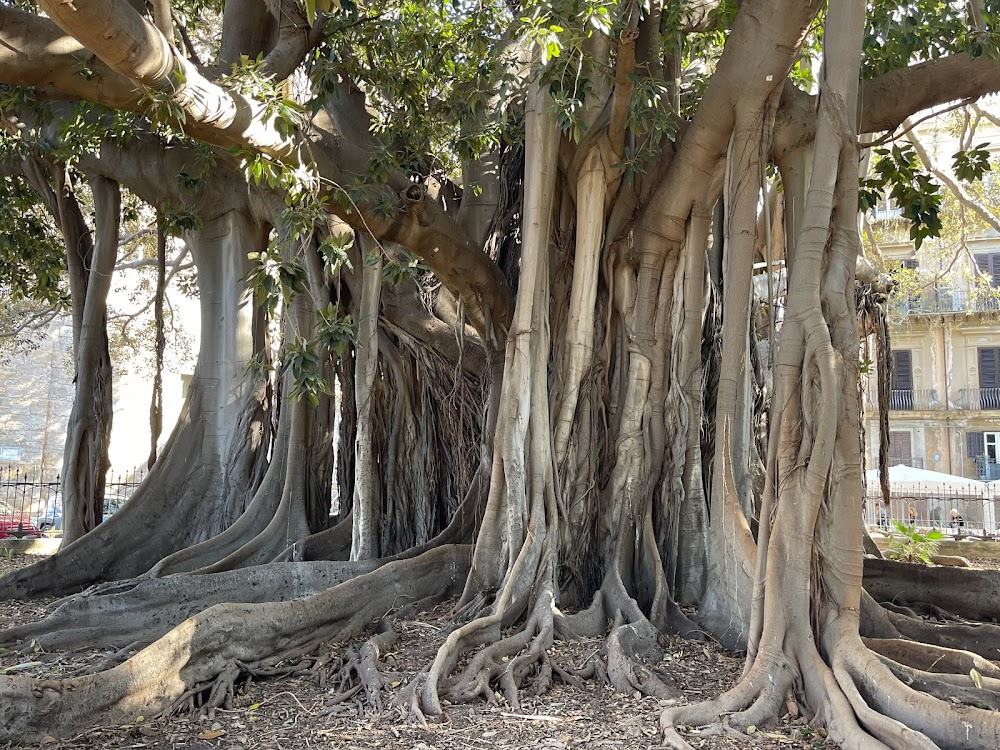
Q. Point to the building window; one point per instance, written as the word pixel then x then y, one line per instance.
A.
pixel 900 448
pixel 901 383
pixel 989 264
pixel 984 451
pixel 989 378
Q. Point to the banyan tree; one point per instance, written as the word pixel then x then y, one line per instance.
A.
pixel 502 256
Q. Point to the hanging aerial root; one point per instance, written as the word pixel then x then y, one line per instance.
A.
pixel 216 646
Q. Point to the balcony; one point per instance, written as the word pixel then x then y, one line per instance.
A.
pixel 943 301
pixel 925 399
pixel 976 399
pixel 987 471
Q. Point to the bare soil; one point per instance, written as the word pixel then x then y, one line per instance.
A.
pixel 294 712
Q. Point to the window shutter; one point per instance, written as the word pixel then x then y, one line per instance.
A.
pixel 975 445
pixel 989 264
pixel 989 359
pixel 900 448
pixel 902 370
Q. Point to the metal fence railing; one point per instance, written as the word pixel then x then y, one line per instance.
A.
pixel 914 399
pixel 956 512
pixel 976 399
pixel 36 495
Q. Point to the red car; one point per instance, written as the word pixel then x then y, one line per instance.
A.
pixel 16 525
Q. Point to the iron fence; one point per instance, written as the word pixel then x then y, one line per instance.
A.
pixel 930 507
pixel 37 494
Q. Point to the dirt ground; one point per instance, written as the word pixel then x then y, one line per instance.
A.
pixel 297 712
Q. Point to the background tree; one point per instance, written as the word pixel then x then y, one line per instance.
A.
pixel 565 197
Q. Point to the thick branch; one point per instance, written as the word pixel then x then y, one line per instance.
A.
pixel 887 100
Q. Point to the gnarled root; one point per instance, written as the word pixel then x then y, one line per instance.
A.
pixel 357 672
pixel 507 660
pixel 220 641
pixel 143 610
pixel 929 658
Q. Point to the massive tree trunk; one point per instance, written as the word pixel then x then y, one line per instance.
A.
pixel 213 460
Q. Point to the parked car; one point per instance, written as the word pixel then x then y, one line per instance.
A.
pixel 51 520
pixel 15 525
pixel 112 505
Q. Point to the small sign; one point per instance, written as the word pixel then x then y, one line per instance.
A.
pixel 8 453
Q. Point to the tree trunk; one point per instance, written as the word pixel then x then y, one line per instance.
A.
pixel 211 464
pixel 88 434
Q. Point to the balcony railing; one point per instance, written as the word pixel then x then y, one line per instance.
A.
pixel 943 301
pixel 987 471
pixel 975 399
pixel 924 399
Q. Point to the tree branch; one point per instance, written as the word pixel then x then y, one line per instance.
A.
pixel 132 47
pixel 890 98
pixel 624 67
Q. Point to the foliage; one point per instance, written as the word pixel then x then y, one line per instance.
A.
pixel 910 188
pixel 902 33
pixel 909 545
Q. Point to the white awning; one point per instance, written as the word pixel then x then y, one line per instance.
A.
pixel 904 479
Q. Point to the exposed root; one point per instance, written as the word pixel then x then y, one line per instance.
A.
pixel 217 645
pixel 921 609
pixel 981 692
pixel 972 594
pixel 929 658
pixel 982 639
pixel 944 723
pixel 628 646
pixel 207 696
pixel 358 670
pixel 119 614
pixel 407 701
pixel 508 661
